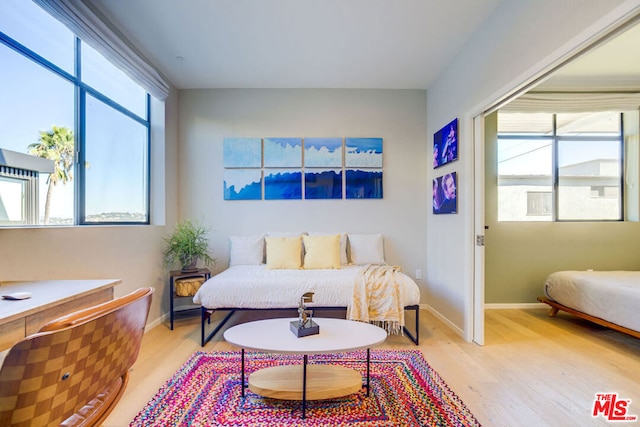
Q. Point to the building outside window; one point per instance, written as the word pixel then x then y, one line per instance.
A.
pixel 60 92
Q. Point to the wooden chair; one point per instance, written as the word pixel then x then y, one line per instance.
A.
pixel 75 369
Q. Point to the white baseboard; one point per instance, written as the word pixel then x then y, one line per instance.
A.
pixel 155 323
pixel 522 306
pixel 443 319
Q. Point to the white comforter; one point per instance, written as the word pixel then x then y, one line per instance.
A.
pixel 253 286
pixel 610 295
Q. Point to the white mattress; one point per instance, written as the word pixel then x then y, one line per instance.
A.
pixel 253 286
pixel 610 295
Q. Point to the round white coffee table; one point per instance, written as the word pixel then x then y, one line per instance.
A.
pixel 305 382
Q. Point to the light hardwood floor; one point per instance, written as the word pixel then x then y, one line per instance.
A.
pixel 532 371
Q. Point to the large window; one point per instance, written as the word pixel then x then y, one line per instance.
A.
pixel 61 100
pixel 560 166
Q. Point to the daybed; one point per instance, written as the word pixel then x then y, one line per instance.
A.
pixel 321 266
pixel 608 298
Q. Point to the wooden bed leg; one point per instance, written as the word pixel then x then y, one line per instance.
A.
pixel 553 311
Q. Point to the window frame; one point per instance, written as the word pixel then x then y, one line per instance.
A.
pixel 556 140
pixel 81 91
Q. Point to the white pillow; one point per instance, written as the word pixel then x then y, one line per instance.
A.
pixel 366 249
pixel 246 250
pixel 344 260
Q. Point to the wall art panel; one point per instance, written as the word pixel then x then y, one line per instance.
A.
pixel 283 152
pixel 363 184
pixel 242 184
pixel 281 184
pixel 323 152
pixel 363 152
pixel 242 152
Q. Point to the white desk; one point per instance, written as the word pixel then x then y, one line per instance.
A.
pixel 305 382
pixel 50 300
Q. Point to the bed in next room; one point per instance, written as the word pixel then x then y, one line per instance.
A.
pixel 608 298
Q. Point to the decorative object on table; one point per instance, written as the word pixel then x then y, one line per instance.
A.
pixel 305 325
pixel 187 244
pixel 405 391
pixel 445 144
pixel 445 195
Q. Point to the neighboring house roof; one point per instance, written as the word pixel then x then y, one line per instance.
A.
pixel 24 161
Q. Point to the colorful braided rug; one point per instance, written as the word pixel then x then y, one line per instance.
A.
pixel 405 392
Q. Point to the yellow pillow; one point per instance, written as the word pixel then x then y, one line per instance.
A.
pixel 321 252
pixel 284 253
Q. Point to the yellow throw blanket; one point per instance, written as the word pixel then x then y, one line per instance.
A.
pixel 377 298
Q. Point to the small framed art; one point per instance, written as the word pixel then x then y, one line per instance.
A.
pixel 445 144
pixel 445 195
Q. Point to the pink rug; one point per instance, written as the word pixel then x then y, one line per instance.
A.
pixel 405 392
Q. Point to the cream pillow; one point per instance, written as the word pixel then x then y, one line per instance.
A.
pixel 284 253
pixel 366 249
pixel 246 250
pixel 321 252
pixel 344 260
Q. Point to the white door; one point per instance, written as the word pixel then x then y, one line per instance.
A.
pixel 478 273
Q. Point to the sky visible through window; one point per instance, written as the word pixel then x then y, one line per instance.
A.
pixel 533 156
pixel 34 99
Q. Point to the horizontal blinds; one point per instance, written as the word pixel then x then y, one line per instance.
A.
pixel 573 102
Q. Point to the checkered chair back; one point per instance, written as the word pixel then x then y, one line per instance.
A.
pixel 75 369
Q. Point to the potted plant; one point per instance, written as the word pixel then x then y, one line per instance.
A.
pixel 187 244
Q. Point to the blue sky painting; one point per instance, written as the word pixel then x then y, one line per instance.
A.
pixel 363 152
pixel 282 184
pixel 242 184
pixel 283 152
pixel 323 184
pixel 363 184
pixel 242 152
pixel 322 152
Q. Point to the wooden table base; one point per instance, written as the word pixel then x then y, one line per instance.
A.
pixel 323 382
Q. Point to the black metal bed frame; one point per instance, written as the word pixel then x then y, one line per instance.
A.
pixel 206 313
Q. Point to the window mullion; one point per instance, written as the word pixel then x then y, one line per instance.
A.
pixel 80 140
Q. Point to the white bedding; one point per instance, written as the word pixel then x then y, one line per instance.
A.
pixel 610 295
pixel 254 286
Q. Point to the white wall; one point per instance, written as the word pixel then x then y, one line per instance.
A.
pixel 397 116
pixel 519 41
